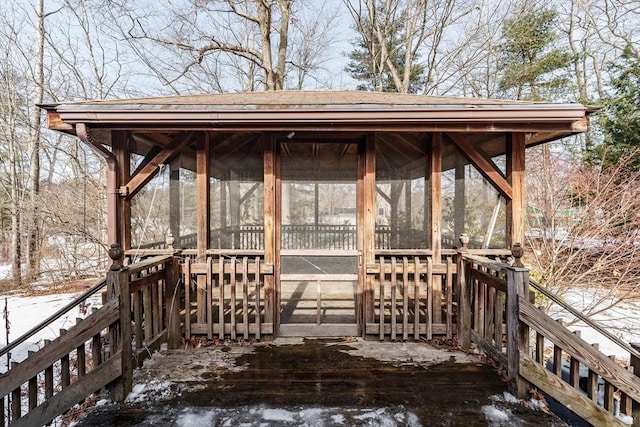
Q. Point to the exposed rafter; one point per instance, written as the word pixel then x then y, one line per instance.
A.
pixel 151 168
pixel 485 166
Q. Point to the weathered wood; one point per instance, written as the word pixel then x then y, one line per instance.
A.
pixel 209 298
pixel 482 164
pixel 271 224
pixel 245 297
pixel 430 296
pixel 146 174
pixel 172 304
pixel 489 279
pixel 464 302
pixel 65 399
pixel 449 297
pixel 517 278
pixel 368 212
pixel 437 268
pixel 221 307
pixel 490 349
pixel 601 365
pixel 120 150
pixel 381 296
pixel 257 296
pixel 565 394
pixel 516 179
pixel 233 309
pixel 61 346
pixel 416 300
pixel 385 330
pixel 394 308
pixel 186 271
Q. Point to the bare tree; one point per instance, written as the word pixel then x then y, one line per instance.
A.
pixel 221 44
pixel 415 28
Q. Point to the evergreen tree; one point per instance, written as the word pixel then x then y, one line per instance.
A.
pixel 620 120
pixel 367 66
pixel 532 65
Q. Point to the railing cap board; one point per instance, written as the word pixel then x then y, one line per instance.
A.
pixel 59 347
pixel 148 263
pixel 578 348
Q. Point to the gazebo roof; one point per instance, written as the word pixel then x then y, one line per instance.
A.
pixel 324 111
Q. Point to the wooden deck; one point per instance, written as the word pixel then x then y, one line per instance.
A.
pixel 318 383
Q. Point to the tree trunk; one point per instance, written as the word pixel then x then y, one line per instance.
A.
pixel 31 219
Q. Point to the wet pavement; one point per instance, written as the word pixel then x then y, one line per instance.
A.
pixel 318 383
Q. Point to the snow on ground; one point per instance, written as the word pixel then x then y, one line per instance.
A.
pixel 25 312
pixel 623 320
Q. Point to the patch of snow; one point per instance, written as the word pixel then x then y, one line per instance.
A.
pixel 625 419
pixel 408 353
pixel 280 415
pixel 495 416
pixel 152 390
pixel 196 419
pixel 505 397
pixel 338 419
pixel 25 312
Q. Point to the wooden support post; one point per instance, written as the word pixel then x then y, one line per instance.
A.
pixel 634 363
pixel 517 332
pixel 202 223
pixel 172 304
pixel 367 229
pixel 118 282
pixel 119 141
pixel 271 227
pixel 515 177
pixel 436 221
pixel 174 198
pixel 464 297
pixel 460 197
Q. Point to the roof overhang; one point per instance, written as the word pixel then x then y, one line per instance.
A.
pixel 323 111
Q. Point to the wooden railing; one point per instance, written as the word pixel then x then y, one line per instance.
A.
pixel 497 315
pixel 226 296
pixel 412 296
pixel 100 351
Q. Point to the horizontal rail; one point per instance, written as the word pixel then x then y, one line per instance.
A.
pixel 55 316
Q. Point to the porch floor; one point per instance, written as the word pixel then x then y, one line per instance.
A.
pixel 317 383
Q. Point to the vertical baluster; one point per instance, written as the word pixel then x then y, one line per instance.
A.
pixel 16 403
pixel 405 298
pixel 382 308
pixel 137 303
pixel 187 298
pixel 258 309
pixel 209 308
pixel 221 297
pixel 539 348
pixel 430 302
pixel 416 299
pixel 32 389
pixel 449 297
pixel 233 298
pixel 393 297
pixel 245 297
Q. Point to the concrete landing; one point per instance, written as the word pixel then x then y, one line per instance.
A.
pixel 318 383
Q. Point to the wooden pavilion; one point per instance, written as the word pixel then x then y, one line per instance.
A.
pixel 316 213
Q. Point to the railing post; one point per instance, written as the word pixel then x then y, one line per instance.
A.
pixel 118 287
pixel 517 332
pixel 464 296
pixel 635 366
pixel 172 304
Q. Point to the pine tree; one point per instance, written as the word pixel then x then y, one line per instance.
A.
pixel 532 65
pixel 620 120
